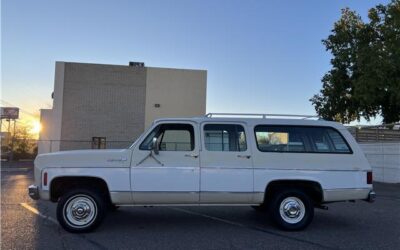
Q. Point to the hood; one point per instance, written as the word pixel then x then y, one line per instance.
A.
pixel 85 158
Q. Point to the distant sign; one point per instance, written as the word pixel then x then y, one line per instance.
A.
pixel 9 113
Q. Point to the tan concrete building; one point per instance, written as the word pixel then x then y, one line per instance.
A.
pixel 109 106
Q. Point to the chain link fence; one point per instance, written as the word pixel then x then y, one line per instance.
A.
pixel 22 148
pixel 54 145
pixel 27 149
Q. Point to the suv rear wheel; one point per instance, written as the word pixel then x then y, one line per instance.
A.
pixel 292 209
pixel 80 210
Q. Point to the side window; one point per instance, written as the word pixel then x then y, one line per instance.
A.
pixel 333 142
pixel 300 139
pixel 280 139
pixel 177 139
pixel 147 143
pixel 320 140
pixel 224 137
pixel 172 137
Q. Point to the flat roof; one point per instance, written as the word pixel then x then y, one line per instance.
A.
pixel 127 65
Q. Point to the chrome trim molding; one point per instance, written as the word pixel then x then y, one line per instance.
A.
pixel 311 170
pixel 226 197
pixel 121 197
pixel 258 197
pixel 198 198
pixel 229 168
pixel 190 205
pixel 164 167
pixel 145 197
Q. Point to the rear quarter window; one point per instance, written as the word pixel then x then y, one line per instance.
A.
pixel 300 139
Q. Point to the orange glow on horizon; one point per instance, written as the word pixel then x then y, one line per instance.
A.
pixel 36 127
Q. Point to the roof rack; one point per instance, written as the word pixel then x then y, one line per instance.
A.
pixel 264 116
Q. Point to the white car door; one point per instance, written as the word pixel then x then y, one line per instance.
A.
pixel 172 176
pixel 226 168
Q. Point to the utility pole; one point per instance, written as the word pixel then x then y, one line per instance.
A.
pixel 10 114
pixel 12 142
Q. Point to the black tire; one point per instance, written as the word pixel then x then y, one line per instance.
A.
pixel 297 218
pixel 83 199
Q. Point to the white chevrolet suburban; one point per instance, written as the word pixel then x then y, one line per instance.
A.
pixel 285 166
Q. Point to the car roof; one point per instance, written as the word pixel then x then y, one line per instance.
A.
pixel 256 121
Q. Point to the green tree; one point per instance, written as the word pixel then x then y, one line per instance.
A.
pixel 365 77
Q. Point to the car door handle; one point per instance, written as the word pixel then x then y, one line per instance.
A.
pixel 244 156
pixel 192 155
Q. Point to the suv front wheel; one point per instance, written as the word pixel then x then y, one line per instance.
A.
pixel 80 210
pixel 292 209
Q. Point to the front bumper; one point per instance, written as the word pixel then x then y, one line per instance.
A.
pixel 371 196
pixel 33 192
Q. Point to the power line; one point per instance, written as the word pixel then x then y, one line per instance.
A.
pixel 22 110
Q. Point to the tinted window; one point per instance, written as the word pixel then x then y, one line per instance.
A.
pixel 280 139
pixel 300 139
pixel 338 141
pixel 172 137
pixel 224 137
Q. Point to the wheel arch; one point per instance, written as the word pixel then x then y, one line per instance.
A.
pixel 61 184
pixel 311 187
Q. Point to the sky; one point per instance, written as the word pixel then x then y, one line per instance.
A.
pixel 261 56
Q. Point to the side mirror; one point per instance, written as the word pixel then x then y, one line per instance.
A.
pixel 155 145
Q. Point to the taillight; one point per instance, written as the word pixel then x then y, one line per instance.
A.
pixel 45 179
pixel 369 177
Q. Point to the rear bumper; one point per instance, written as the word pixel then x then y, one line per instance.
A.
pixel 33 192
pixel 371 196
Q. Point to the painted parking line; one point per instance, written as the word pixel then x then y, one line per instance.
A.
pixel 35 211
pixel 208 217
pixel 49 218
pixel 252 228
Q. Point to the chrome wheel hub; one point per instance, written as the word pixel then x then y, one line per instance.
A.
pixel 292 210
pixel 80 211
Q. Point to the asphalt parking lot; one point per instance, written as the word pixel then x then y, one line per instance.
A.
pixel 345 225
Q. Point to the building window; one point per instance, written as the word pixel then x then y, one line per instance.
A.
pixel 98 142
pixel 224 137
pixel 300 139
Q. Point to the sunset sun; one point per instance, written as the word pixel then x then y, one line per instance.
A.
pixel 36 127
